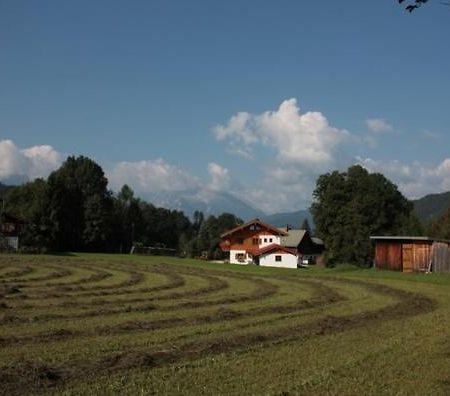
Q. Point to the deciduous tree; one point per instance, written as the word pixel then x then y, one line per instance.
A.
pixel 350 206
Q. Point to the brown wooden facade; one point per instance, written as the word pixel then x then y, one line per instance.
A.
pixel 411 254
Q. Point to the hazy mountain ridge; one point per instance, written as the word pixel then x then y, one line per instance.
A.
pixel 294 219
pixel 210 202
pixel 431 206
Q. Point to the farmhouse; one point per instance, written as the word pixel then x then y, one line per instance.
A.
pixel 10 228
pixel 411 254
pixel 262 244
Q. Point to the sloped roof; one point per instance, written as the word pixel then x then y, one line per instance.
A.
pixel 293 238
pixel 270 248
pixel 407 238
pixel 269 227
pixel 317 241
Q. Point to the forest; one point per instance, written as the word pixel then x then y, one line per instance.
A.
pixel 73 210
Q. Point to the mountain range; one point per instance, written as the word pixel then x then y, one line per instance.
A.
pixel 213 202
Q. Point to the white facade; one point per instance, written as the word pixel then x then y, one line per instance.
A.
pixel 281 260
pixel 266 240
pixel 239 257
pixel 13 242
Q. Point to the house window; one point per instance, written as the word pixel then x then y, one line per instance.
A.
pixel 270 240
pixel 277 258
pixel 260 240
pixel 240 257
pixel 255 241
pixel 265 240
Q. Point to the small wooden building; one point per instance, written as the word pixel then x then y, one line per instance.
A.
pixel 411 254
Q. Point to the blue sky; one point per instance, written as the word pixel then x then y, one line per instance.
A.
pixel 150 89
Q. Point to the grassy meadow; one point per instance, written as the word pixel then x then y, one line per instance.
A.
pixel 108 324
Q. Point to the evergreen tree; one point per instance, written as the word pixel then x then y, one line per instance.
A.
pixel 305 226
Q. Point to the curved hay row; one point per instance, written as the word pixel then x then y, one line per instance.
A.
pixel 78 285
pixel 58 273
pixel 322 295
pixel 16 274
pixel 262 289
pixel 34 375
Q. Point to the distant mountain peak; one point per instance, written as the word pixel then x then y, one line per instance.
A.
pixel 208 201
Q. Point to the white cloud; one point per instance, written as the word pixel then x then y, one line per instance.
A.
pixel 306 139
pixel 414 179
pixel 220 178
pixel 151 176
pixel 289 189
pixel 29 163
pixel 305 145
pixel 378 125
pixel 44 159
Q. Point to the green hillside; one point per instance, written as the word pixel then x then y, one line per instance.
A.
pixel 431 206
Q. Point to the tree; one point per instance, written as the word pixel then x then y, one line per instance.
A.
pixel 208 238
pixel 440 227
pixel 350 206
pixel 413 5
pixel 30 202
pixel 80 205
pixel 305 225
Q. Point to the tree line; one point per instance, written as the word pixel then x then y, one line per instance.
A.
pixel 73 210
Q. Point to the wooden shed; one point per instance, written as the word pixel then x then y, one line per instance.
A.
pixel 411 254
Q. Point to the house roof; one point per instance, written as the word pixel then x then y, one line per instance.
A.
pixel 269 227
pixel 270 248
pixel 317 241
pixel 293 238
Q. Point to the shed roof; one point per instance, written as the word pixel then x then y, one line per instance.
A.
pixel 407 238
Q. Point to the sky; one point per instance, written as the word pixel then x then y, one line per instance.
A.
pixel 257 98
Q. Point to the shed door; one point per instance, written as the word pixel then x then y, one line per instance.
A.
pixel 408 259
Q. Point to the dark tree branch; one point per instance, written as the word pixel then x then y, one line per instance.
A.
pixel 413 5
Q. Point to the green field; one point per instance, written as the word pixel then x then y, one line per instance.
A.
pixel 109 324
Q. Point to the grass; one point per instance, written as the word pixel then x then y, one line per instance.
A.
pixel 109 324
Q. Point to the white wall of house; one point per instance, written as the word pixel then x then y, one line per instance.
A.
pixel 234 259
pixel 266 240
pixel 270 260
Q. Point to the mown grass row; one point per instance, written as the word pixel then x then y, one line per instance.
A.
pixel 68 322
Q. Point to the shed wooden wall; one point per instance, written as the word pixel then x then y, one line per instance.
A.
pixel 388 255
pixel 441 257
pixel 416 256
pixel 406 256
